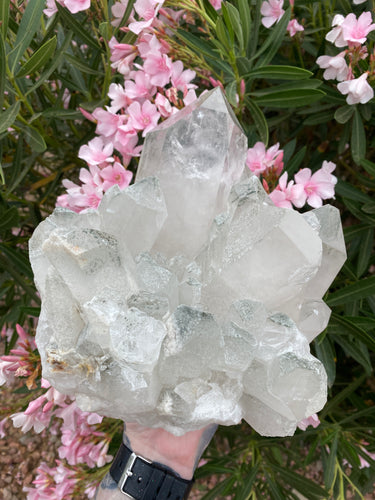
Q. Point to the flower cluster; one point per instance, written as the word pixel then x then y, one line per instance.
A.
pixel 272 11
pixel 346 67
pixel 307 187
pixel 154 87
pixel 21 362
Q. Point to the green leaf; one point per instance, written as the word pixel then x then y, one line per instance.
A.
pixel 59 56
pixel 300 483
pixel 319 118
pixel 38 59
pixel 368 166
pixel 347 190
pixel 231 93
pixel 9 218
pixel 62 114
pixel 215 492
pixel 222 34
pixel 365 251
pixel 77 27
pixel 245 16
pixel 29 24
pixel 355 350
pixel 348 327
pixel 273 42
pixel 84 68
pixel 279 73
pixel 248 481
pixel 4 17
pixel 236 23
pixel 355 230
pixel 312 83
pixel 227 20
pixel 196 43
pixel 356 291
pixel 343 114
pixel 326 354
pixel 35 140
pixel 293 165
pixel 3 71
pixel 125 17
pixel 358 139
pixel 329 468
pixel 8 116
pixel 290 98
pixel 341 396
pixel 259 120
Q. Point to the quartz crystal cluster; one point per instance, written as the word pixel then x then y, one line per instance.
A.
pixel 188 298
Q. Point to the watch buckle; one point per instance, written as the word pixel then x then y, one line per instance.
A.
pixel 128 472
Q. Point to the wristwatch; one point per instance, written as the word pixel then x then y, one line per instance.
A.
pixel 141 479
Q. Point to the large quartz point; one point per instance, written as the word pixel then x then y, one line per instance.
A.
pixel 188 298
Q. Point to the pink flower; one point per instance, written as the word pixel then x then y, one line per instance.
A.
pixel 181 79
pixel 96 152
pixel 143 117
pixel 272 11
pixel 259 160
pixel 118 11
pixel 287 194
pixel 147 10
pixel 335 36
pixel 318 186
pixel 149 44
pixel 51 8
pixel 141 88
pixel 216 4
pixel 37 421
pixel 159 67
pixel 118 96
pixel 335 67
pixel 357 90
pixel 107 122
pixel 293 27
pixel 164 106
pixel 356 31
pixel 313 420
pixel 115 174
pixel 75 6
pixel 125 142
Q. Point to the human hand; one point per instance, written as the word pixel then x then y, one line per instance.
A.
pixel 181 454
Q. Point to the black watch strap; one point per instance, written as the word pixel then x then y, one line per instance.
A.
pixel 141 479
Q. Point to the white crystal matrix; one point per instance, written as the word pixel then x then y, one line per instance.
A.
pixel 188 298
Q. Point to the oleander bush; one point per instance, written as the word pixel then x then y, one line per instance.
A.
pixel 81 83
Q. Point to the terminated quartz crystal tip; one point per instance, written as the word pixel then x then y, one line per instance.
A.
pixel 188 298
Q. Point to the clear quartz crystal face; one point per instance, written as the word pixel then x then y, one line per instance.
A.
pixel 188 298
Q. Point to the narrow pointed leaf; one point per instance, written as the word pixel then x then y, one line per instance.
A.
pixel 369 166
pixel 272 44
pixel 35 140
pixel 259 120
pixel 365 251
pixel 4 17
pixel 358 139
pixel 59 56
pixel 275 72
pixel 8 116
pixel 29 24
pixel 38 59
pixel 343 114
pixel 356 291
pixel 76 26
pixel 290 98
pixel 3 72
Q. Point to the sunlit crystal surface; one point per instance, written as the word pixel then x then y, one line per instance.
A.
pixel 188 298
